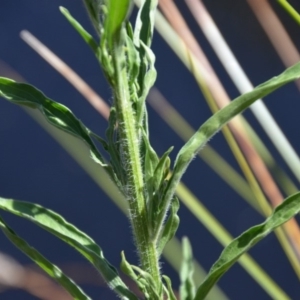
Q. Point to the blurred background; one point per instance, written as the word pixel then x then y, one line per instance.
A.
pixel 35 168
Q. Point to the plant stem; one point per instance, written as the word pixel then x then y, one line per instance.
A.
pixel 290 10
pixel 134 191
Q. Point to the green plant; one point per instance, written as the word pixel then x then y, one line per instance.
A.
pixel 141 176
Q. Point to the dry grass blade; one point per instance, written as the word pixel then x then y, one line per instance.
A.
pixel 13 275
pixel 93 98
pixel 276 33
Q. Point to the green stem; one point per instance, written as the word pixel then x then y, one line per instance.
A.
pixel 290 10
pixel 134 191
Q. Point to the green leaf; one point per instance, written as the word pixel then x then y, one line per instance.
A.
pixel 146 78
pixel 143 30
pixel 133 60
pixel 142 39
pixel 216 122
pixel 127 268
pixel 113 148
pixel 55 113
pixel 95 9
pixel 151 290
pixel 156 184
pixel 150 163
pixel 223 116
pixel 67 232
pixel 117 12
pixel 170 227
pixel 162 169
pixel 168 289
pixel 52 270
pixel 144 280
pixel 83 33
pixel 187 287
pixel 241 244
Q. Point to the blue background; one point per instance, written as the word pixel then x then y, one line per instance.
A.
pixel 33 167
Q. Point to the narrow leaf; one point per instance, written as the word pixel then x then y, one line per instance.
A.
pixel 150 162
pixel 143 280
pixel 117 12
pixel 187 287
pixel 133 61
pixel 162 169
pixel 145 22
pixel 146 79
pixel 170 227
pixel 67 232
pixel 52 270
pixel 156 184
pixel 95 10
pixel 55 113
pixel 83 33
pixel 168 289
pixel 112 148
pixel 127 269
pixel 223 116
pixel 241 244
pixel 216 122
pixel 142 39
pixel 151 290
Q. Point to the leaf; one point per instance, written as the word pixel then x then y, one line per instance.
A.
pixel 168 289
pixel 143 30
pixel 67 232
pixel 52 270
pixel 117 12
pixel 216 122
pixel 55 113
pixel 223 116
pixel 142 39
pixel 133 59
pixel 146 78
pixel 150 163
pixel 127 268
pixel 187 287
pixel 151 289
pixel 156 171
pixel 162 169
pixel 241 244
pixel 95 10
pixel 170 227
pixel 113 150
pixel 155 184
pixel 144 280
pixel 83 33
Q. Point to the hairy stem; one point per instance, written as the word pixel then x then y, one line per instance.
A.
pixel 132 162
